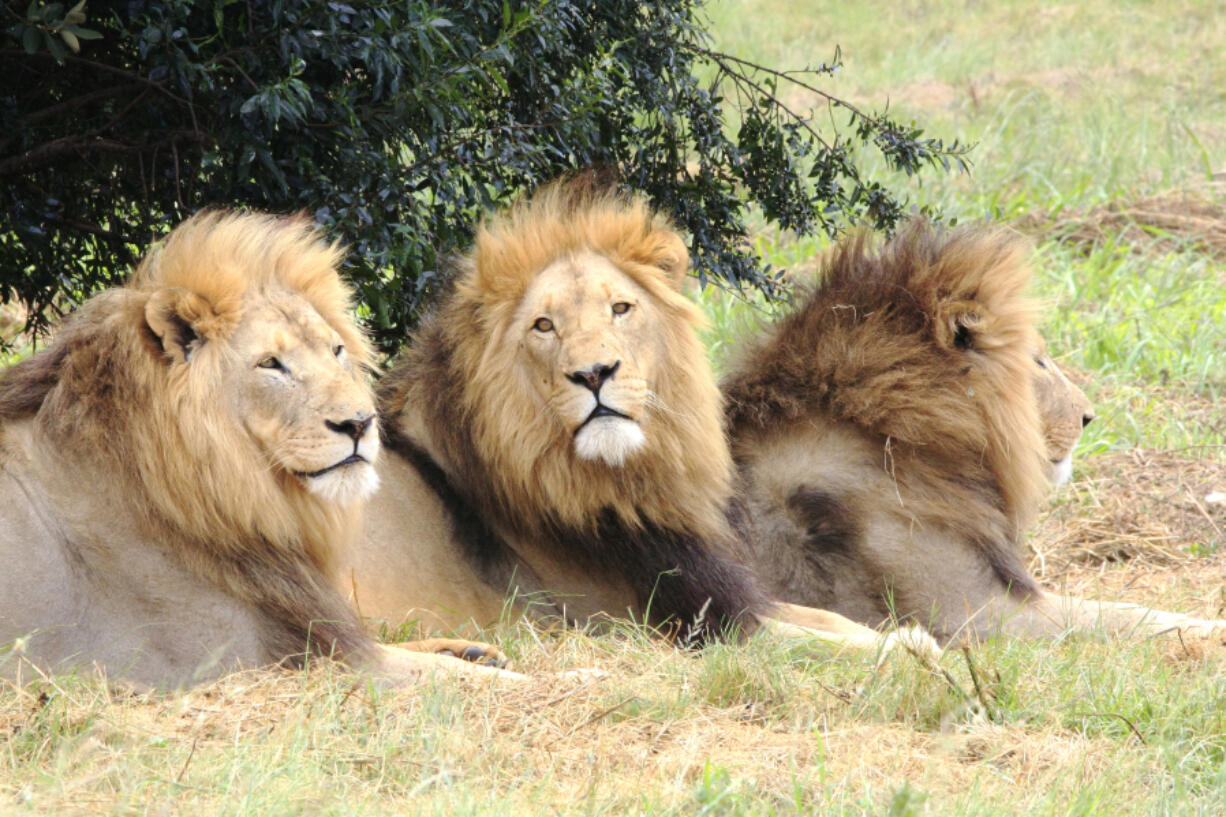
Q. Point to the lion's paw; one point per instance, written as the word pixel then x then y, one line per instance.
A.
pixel 472 651
pixel 915 640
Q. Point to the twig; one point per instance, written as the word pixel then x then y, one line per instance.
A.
pixel 1131 726
pixel 601 714
pixel 77 101
pixel 569 693
pixel 191 753
pixel 979 693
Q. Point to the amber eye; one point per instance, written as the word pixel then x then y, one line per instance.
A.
pixel 621 308
pixel 543 325
pixel 270 362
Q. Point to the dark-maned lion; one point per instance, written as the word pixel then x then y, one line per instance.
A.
pixel 895 434
pixel 555 429
pixel 180 466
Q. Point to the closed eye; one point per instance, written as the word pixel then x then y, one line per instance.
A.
pixel 338 349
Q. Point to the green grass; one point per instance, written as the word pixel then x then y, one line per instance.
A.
pixel 1069 107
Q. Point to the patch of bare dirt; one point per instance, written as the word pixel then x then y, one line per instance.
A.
pixel 1148 526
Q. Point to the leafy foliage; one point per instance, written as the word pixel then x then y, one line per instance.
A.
pixel 396 123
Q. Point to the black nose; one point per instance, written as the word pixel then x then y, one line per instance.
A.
pixel 354 427
pixel 594 377
pixel 1085 419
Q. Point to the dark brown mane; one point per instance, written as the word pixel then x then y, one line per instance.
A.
pixel 926 344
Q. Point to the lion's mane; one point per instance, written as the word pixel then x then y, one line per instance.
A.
pixel 928 345
pixel 666 509
pixel 99 390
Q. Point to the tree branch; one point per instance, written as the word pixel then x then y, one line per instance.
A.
pixel 83 143
pixel 52 111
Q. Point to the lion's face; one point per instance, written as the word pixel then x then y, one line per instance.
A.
pixel 283 379
pixel 1065 411
pixel 584 327
pixel 304 403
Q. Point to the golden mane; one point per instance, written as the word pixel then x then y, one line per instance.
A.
pixel 103 391
pixel 220 256
pixel 655 525
pixel 460 374
pixel 927 343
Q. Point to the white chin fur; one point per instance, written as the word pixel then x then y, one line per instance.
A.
pixel 611 439
pixel 1062 471
pixel 345 485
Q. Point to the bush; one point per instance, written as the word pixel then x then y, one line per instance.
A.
pixel 395 124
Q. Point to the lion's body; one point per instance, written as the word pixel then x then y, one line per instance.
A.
pixel 77 610
pixel 180 466
pixel 556 433
pixel 895 434
pixel 554 394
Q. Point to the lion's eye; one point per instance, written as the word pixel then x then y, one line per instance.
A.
pixel 621 308
pixel 1042 363
pixel 338 349
pixel 270 362
pixel 543 325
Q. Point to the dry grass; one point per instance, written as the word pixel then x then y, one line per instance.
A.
pixel 1190 219
pixel 754 728
pixel 1153 508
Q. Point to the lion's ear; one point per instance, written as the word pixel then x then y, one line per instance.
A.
pixel 183 320
pixel 958 326
pixel 667 251
pixel 965 327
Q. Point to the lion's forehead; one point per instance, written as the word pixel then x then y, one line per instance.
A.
pixel 577 286
pixel 1062 405
pixel 284 325
pixel 284 320
pixel 1058 396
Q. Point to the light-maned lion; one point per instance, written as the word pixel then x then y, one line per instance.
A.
pixel 556 430
pixel 896 432
pixel 179 467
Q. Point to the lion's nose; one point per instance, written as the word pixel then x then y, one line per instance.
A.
pixel 1087 418
pixel 354 427
pixel 594 377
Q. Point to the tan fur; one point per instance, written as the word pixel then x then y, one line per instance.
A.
pixel 628 252
pixel 895 433
pixel 173 493
pixel 1065 410
pixel 487 396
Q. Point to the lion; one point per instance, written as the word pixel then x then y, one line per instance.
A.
pixel 556 435
pixel 1064 410
pixel 895 434
pixel 181 465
